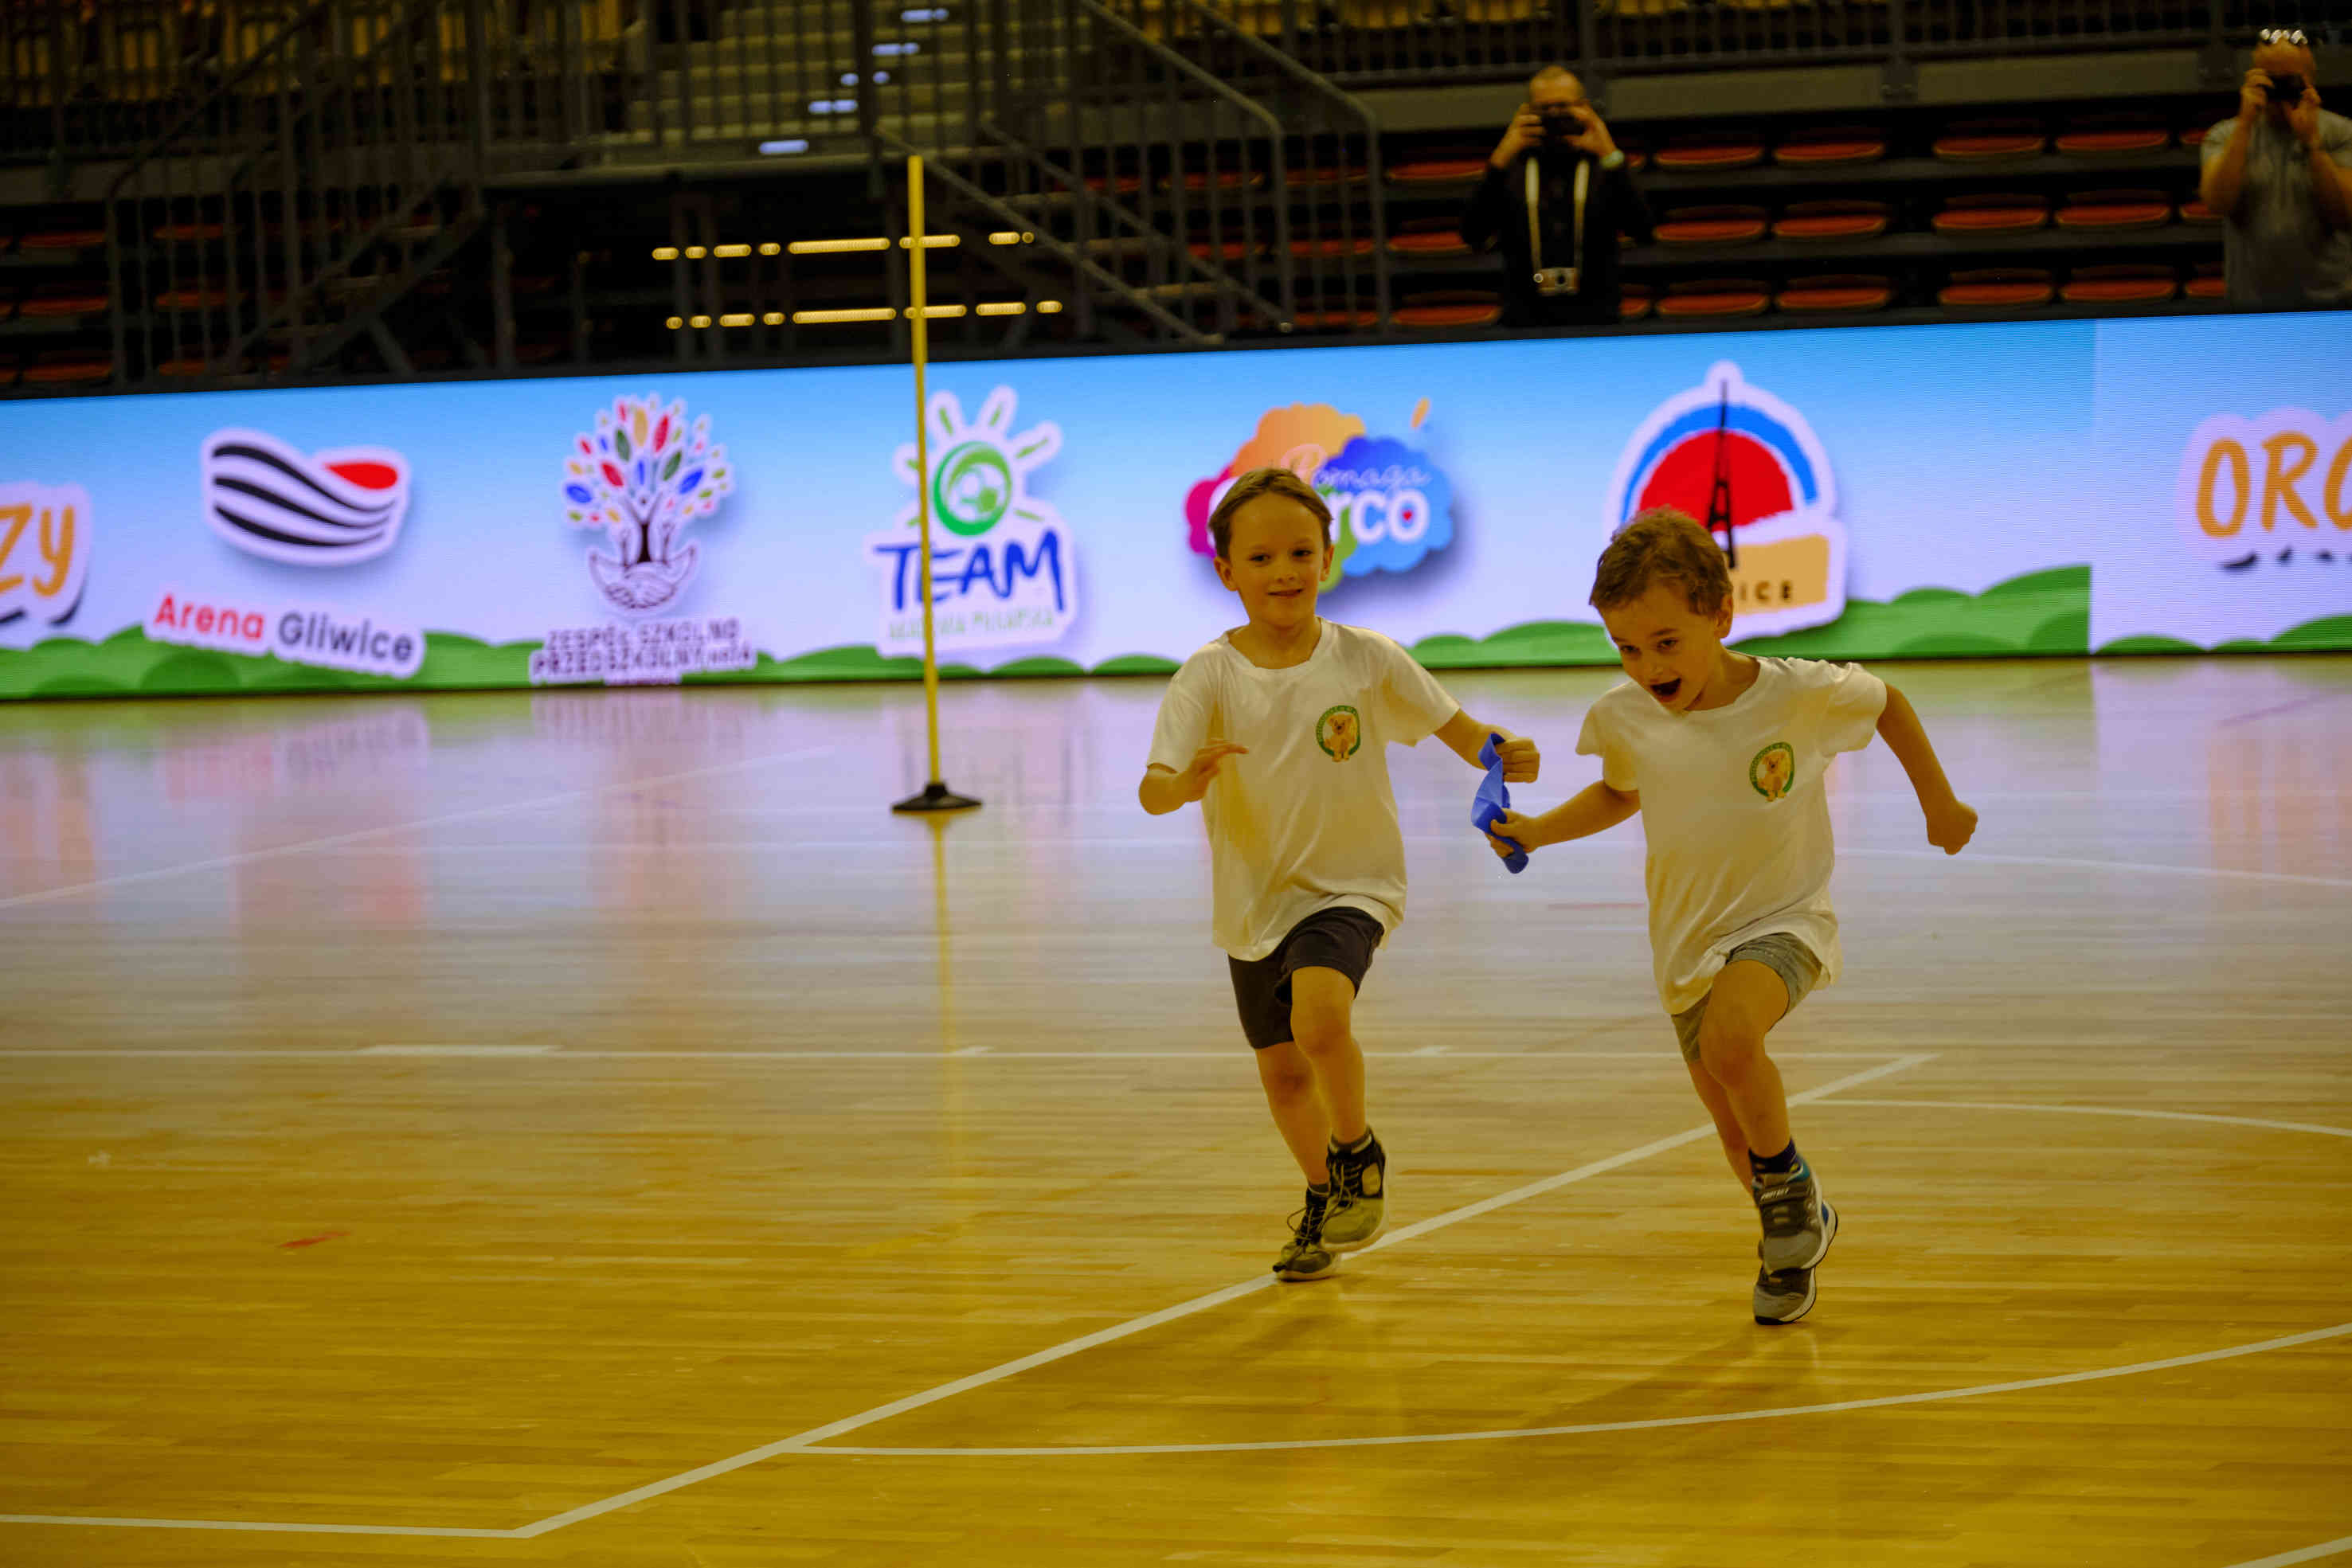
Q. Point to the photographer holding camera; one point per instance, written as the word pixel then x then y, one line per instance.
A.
pixel 2280 175
pixel 1556 194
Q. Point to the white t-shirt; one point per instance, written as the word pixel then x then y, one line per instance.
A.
pixel 1732 805
pixel 1306 821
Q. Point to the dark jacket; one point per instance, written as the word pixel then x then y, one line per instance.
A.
pixel 1498 213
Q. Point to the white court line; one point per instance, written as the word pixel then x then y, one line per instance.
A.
pixel 2116 1111
pixel 2308 1554
pixel 454 1050
pixel 804 1441
pixel 801 1441
pixel 267 1528
pixel 1191 845
pixel 1967 855
pixel 557 1053
pixel 333 841
pixel 1882 1402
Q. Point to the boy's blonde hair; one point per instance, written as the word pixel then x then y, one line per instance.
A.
pixel 1661 545
pixel 1264 482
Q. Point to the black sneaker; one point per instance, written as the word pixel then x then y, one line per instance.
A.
pixel 1797 1229
pixel 1359 1197
pixel 1784 1295
pixel 1304 1256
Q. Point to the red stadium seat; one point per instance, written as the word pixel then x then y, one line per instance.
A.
pixel 1635 301
pixel 2208 284
pixel 52 301
pixel 1429 237
pixel 1833 220
pixel 1715 297
pixel 2111 139
pixel 1448 168
pixel 1451 309
pixel 68 368
pixel 1713 225
pixel 1839 293
pixel 1338 321
pixel 1980 141
pixel 1732 149
pixel 2116 210
pixel 1331 247
pixel 1997 287
pixel 1992 214
pixel 2127 282
pixel 1831 145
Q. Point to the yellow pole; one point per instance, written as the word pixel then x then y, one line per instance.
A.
pixel 936 795
pixel 916 271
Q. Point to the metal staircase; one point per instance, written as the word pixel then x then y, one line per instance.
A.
pixel 336 167
pixel 1174 205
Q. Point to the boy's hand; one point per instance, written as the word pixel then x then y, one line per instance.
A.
pixel 1202 770
pixel 1516 826
pixel 1951 825
pixel 1521 761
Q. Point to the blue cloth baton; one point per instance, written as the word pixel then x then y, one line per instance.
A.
pixel 1487 808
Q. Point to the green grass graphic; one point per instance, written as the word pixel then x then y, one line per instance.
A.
pixel 2039 614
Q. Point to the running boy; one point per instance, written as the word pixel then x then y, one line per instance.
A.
pixel 1723 754
pixel 1281 728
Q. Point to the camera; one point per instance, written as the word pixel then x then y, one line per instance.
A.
pixel 2286 89
pixel 1559 126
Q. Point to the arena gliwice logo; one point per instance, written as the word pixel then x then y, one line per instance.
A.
pixel 325 508
pixel 642 476
pixel 1391 506
pixel 1750 466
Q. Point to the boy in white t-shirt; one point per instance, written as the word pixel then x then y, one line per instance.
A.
pixel 1723 754
pixel 1281 729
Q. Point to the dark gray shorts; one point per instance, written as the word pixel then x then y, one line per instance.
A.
pixel 1784 954
pixel 1341 939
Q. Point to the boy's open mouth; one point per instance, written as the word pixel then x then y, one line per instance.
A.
pixel 1665 690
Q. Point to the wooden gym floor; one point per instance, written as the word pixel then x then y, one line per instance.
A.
pixel 587 1128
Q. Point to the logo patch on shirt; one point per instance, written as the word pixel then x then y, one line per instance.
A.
pixel 1772 770
pixel 1340 732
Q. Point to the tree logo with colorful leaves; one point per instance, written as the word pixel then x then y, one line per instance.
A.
pixel 642 477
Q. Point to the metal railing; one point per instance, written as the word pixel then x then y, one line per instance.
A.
pixel 1361 42
pixel 277 216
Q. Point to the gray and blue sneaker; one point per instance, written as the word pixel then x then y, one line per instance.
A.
pixel 1784 1295
pixel 1360 1196
pixel 1304 1256
pixel 1796 1232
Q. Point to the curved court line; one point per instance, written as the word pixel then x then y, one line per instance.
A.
pixel 818 1446
pixel 2116 1111
pixel 1882 1402
pixel 2306 1555
pixel 2072 864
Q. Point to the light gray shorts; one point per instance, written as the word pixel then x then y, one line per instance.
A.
pixel 1784 954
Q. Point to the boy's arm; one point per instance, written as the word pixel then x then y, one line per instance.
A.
pixel 1165 789
pixel 1594 809
pixel 1951 824
pixel 1464 736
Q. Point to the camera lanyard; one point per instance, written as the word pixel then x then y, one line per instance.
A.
pixel 1535 224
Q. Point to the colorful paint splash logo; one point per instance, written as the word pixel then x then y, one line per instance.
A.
pixel 642 477
pixel 1739 459
pixel 1392 507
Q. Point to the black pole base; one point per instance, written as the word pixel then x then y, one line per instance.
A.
pixel 937 796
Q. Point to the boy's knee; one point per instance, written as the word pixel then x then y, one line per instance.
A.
pixel 1318 1032
pixel 1727 1051
pixel 1284 1072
